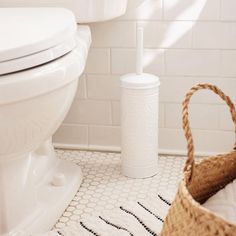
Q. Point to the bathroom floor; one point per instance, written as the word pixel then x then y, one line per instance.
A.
pixel 104 188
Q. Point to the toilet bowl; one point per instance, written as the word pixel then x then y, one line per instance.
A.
pixel 43 52
pixel 42 55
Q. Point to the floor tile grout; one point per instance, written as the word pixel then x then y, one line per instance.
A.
pixel 104 188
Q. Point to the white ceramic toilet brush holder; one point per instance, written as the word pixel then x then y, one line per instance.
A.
pixel 139 119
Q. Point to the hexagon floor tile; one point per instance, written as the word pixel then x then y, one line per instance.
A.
pixel 104 188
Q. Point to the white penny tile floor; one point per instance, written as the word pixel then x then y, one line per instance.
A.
pixel 104 188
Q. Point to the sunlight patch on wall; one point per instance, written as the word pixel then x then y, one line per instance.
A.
pixel 146 9
pixel 188 9
pixel 174 32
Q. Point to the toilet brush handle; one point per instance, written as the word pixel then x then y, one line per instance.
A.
pixel 139 51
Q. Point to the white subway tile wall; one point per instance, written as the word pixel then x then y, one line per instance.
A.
pixel 186 42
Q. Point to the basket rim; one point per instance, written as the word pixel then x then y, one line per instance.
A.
pixel 183 187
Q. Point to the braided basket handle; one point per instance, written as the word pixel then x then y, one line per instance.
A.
pixel 189 165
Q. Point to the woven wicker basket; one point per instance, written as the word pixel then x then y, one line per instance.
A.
pixel 186 216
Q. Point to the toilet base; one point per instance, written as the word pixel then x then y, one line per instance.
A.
pixel 52 200
pixel 55 199
pixel 35 190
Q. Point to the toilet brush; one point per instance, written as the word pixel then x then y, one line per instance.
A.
pixel 139 119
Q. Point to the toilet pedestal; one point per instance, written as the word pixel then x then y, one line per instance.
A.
pixel 36 190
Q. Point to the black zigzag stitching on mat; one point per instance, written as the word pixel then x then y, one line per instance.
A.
pixel 139 220
pixel 88 229
pixel 60 233
pixel 164 200
pixel 116 226
pixel 156 216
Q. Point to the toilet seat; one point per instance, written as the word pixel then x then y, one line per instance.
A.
pixel 47 77
pixel 34 36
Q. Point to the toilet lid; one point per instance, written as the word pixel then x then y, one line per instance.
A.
pixel 34 36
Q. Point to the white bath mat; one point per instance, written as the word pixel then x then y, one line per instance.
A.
pixel 142 218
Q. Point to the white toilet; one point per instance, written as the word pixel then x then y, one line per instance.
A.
pixel 42 54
